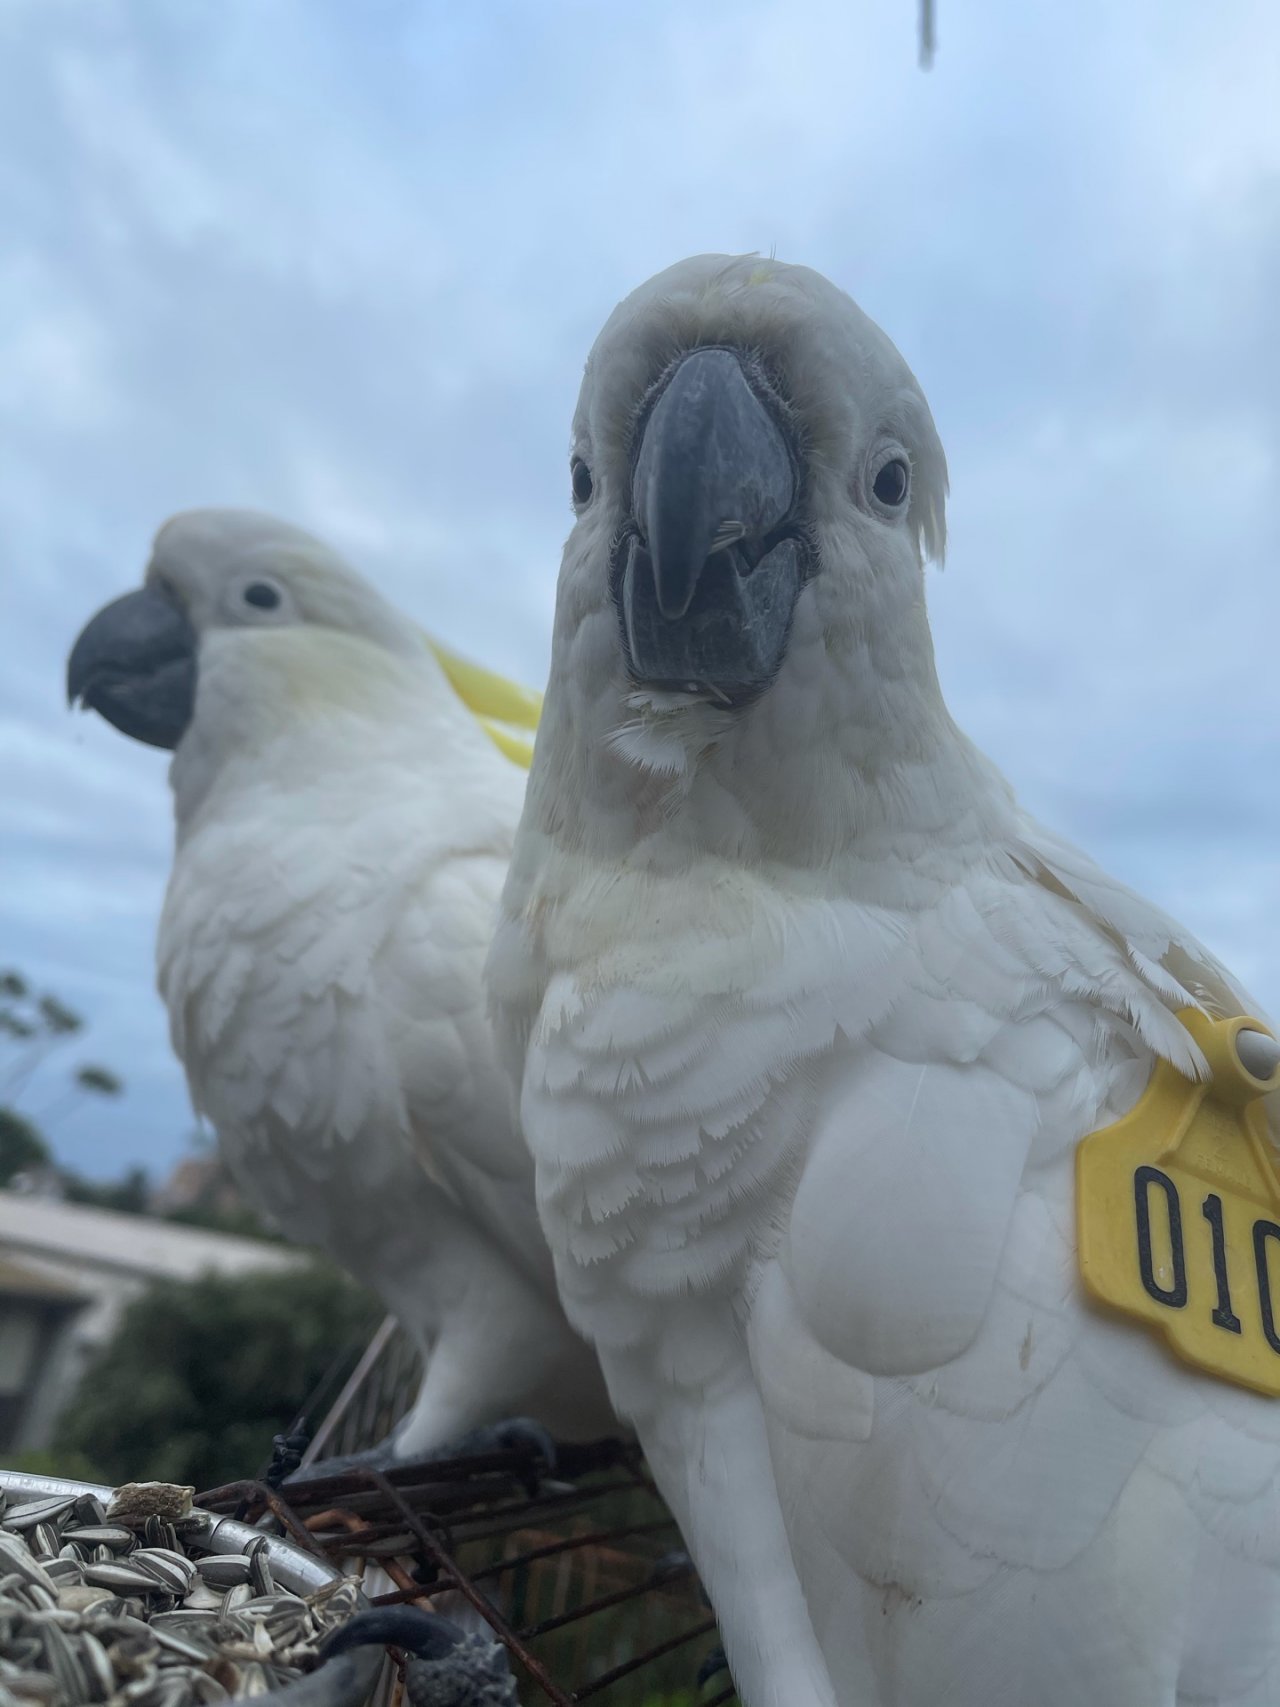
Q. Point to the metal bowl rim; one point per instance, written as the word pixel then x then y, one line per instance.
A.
pixel 294 1569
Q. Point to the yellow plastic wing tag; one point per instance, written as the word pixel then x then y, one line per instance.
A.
pixel 1178 1208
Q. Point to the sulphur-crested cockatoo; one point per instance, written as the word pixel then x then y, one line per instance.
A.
pixel 343 826
pixel 809 1019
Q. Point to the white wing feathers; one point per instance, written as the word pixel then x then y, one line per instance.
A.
pixel 877 1073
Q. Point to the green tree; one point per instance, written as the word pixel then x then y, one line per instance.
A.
pixel 202 1373
pixel 34 1025
pixel 129 1195
pixel 21 1146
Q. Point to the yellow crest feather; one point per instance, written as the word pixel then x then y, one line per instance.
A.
pixel 498 705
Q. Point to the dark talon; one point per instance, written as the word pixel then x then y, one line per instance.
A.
pixel 379 1457
pixel 425 1634
pixel 447 1668
pixel 286 1456
pixel 516 1434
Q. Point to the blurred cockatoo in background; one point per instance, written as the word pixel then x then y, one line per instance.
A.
pixel 809 1019
pixel 343 825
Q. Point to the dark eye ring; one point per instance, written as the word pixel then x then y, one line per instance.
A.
pixel 583 484
pixel 262 595
pixel 892 483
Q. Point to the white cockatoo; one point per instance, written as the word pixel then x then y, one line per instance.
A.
pixel 809 1019
pixel 343 825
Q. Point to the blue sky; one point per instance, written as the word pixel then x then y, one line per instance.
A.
pixel 344 263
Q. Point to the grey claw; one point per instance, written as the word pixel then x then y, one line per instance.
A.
pixel 448 1669
pixel 523 1434
pixel 515 1434
pixel 379 1457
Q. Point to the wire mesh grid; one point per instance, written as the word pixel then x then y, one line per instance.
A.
pixel 580 1575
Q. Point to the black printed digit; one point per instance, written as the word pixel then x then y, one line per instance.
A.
pixel 1224 1316
pixel 1262 1231
pixel 1174 1296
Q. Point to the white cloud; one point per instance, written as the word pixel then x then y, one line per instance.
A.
pixel 345 263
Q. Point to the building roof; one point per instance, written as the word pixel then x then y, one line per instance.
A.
pixel 19 1282
pixel 137 1244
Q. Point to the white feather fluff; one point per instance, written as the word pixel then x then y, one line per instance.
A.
pixel 343 829
pixel 810 1042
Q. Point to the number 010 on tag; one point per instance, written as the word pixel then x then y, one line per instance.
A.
pixel 1178 1210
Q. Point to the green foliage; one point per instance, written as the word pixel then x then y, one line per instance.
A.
pixel 34 1026
pixel 44 1462
pixel 21 1146
pixel 57 1018
pixel 202 1373
pixel 129 1195
pixel 100 1080
pixel 239 1220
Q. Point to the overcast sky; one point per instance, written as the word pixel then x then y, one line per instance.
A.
pixel 343 262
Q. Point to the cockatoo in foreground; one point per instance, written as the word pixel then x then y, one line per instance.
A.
pixel 809 1018
pixel 343 829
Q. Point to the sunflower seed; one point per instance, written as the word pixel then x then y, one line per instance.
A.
pixel 96 1613
pixel 260 1569
pixel 159 1532
pixel 124 1579
pixel 224 1570
pixel 15 1559
pixel 79 1597
pixel 202 1598
pixel 235 1598
pixel 25 1516
pixel 44 1540
pixel 113 1535
pixel 28 1686
pixel 97 1665
pixel 62 1660
pixel 173 1643
pixel 172 1569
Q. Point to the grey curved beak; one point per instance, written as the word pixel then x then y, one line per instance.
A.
pixel 711 570
pixel 713 468
pixel 134 663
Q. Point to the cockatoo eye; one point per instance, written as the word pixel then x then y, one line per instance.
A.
pixel 892 483
pixel 262 595
pixel 583 484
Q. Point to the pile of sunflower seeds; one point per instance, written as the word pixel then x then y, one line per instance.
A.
pixel 94 1608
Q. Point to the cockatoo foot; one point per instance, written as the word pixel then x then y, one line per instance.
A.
pixel 383 1456
pixel 447 1667
pixel 514 1434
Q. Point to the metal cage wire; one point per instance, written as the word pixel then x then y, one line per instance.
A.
pixel 581 1576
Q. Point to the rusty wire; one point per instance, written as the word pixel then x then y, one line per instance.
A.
pixel 576 1576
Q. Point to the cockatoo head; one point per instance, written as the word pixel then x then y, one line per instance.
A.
pixel 214 571
pixel 747 440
